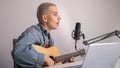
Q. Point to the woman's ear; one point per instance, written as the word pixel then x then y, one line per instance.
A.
pixel 44 17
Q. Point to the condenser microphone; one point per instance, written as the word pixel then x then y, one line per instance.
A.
pixel 77 31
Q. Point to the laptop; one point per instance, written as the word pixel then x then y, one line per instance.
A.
pixel 102 55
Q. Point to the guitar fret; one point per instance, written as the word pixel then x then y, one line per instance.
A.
pixel 66 57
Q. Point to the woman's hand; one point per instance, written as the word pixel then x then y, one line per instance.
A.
pixel 48 61
pixel 72 59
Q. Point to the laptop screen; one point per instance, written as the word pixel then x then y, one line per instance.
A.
pixel 102 55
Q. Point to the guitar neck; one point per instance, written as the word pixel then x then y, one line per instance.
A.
pixel 68 56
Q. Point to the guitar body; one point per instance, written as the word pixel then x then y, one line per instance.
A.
pixel 51 51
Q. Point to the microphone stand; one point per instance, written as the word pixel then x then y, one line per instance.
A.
pixel 102 37
pixel 81 51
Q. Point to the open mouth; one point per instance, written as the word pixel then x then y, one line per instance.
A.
pixel 57 23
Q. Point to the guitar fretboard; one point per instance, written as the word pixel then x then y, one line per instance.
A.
pixel 68 56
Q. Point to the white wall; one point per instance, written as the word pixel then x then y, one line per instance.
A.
pixel 96 16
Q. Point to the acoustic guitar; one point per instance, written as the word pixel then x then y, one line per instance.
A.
pixel 53 52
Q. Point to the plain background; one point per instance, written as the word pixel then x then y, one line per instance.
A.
pixel 97 17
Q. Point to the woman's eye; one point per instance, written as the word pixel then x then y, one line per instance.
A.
pixel 55 14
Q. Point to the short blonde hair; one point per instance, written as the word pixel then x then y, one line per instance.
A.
pixel 42 9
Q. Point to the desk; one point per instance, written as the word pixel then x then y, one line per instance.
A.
pixel 67 65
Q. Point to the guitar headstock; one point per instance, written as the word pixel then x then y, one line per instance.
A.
pixel 82 52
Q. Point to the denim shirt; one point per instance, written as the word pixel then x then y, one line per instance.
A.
pixel 24 54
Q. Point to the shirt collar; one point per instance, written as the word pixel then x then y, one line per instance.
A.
pixel 42 28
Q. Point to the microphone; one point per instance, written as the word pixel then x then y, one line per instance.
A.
pixel 77 32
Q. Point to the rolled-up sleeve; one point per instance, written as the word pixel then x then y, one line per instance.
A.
pixel 24 54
